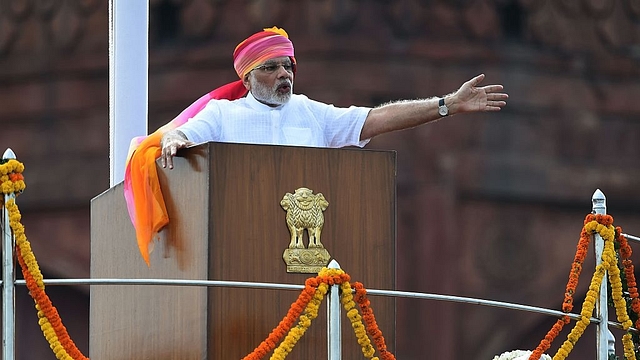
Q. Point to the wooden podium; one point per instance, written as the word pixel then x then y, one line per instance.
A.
pixel 226 223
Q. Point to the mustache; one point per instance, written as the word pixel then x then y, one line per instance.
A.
pixel 284 82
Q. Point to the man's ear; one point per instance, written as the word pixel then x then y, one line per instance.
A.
pixel 245 82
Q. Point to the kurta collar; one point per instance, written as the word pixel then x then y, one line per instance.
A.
pixel 257 105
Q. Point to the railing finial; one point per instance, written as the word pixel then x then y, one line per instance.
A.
pixel 599 202
pixel 9 154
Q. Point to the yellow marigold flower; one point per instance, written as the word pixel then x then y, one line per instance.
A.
pixel 352 313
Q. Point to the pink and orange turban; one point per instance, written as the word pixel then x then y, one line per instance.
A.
pixel 260 47
pixel 142 192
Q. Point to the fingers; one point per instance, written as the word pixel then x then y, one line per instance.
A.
pixel 496 103
pixel 492 88
pixel 171 142
pixel 480 98
pixel 497 96
pixel 169 150
pixel 476 80
pixel 166 156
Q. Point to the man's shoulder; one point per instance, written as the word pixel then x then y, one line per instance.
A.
pixel 304 99
pixel 225 103
pixel 300 97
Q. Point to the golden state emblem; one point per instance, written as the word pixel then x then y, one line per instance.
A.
pixel 305 212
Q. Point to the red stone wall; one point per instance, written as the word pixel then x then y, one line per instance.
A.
pixel 489 205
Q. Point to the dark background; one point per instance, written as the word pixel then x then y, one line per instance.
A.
pixel 489 205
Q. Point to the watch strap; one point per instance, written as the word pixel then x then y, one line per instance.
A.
pixel 443 110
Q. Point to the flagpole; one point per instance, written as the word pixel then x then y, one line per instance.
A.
pixel 128 79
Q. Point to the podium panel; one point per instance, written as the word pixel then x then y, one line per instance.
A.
pixel 227 224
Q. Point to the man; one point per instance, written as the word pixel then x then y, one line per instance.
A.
pixel 261 108
pixel 266 66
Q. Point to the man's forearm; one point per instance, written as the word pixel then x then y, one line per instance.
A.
pixel 406 114
pixel 402 115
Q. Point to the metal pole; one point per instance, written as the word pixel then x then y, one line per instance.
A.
pixel 128 79
pixel 599 202
pixel 334 333
pixel 8 280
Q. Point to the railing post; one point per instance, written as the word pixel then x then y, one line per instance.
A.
pixel 334 331
pixel 8 279
pixel 602 334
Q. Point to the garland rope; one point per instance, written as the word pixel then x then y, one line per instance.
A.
pixel 306 309
pixel 48 318
pixel 602 225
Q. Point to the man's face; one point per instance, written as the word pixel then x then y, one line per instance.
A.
pixel 271 82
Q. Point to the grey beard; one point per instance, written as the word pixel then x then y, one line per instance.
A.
pixel 270 96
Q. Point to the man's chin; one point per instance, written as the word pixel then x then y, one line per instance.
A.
pixel 275 100
pixel 284 98
pixel 281 99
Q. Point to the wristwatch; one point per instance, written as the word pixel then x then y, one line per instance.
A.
pixel 443 110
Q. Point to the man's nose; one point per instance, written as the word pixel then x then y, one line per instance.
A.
pixel 282 73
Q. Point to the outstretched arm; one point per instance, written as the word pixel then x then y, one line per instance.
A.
pixel 410 113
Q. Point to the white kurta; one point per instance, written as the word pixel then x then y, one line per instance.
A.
pixel 299 122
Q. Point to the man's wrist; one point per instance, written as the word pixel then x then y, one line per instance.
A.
pixel 173 135
pixel 180 134
pixel 176 134
pixel 451 103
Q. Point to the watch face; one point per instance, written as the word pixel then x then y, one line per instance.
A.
pixel 443 110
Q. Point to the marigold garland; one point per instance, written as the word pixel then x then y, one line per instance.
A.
pixel 545 344
pixel 310 313
pixel 306 309
pixel 609 264
pixel 633 306
pixel 49 320
pixel 370 320
pixel 572 284
pixel 601 224
pixel 11 179
pixel 356 322
pixel 585 314
pixel 629 272
pixel 576 266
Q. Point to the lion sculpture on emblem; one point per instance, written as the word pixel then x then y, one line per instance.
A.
pixel 304 211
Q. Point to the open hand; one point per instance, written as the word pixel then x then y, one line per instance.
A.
pixel 471 97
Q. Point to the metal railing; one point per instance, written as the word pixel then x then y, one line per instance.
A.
pixel 334 341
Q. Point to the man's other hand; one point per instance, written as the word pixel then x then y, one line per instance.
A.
pixel 471 97
pixel 171 142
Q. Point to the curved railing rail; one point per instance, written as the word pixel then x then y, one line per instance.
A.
pixel 293 287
